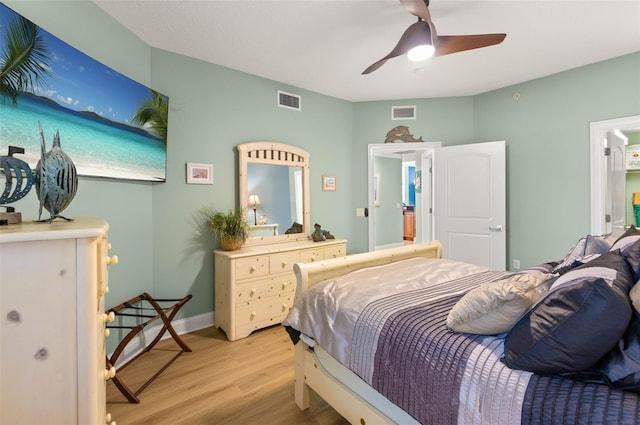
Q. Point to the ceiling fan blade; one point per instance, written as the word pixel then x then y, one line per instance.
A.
pixel 413 36
pixel 418 8
pixel 447 44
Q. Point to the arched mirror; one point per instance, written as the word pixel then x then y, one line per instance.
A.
pixel 274 190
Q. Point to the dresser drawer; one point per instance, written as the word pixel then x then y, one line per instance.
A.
pixel 272 309
pixel 283 262
pixel 255 288
pixel 258 289
pixel 335 251
pixel 311 255
pixel 252 267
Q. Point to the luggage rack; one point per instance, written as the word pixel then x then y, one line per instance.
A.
pixel 144 309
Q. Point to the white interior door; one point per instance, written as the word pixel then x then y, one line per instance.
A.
pixel 424 199
pixel 470 203
pixel 615 214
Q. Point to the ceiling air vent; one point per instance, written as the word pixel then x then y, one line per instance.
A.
pixel 403 112
pixel 290 101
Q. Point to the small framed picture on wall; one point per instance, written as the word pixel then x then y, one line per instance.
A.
pixel 329 183
pixel 198 173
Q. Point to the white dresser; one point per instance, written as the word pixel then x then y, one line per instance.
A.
pixel 255 286
pixel 53 277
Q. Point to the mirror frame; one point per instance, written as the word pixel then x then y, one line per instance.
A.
pixel 274 153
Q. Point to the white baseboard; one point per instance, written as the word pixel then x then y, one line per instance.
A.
pixel 388 246
pixel 182 326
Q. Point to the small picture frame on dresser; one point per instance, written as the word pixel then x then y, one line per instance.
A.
pixel 199 173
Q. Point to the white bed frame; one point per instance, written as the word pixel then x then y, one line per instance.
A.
pixel 342 389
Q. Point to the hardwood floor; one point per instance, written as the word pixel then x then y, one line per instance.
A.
pixel 248 381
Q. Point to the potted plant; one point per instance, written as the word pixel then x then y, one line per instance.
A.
pixel 231 227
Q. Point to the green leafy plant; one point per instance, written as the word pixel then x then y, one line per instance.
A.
pixel 230 225
pixel 25 60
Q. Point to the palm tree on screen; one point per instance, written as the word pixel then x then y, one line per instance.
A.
pixel 153 114
pixel 25 59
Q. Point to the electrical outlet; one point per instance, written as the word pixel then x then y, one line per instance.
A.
pixel 516 264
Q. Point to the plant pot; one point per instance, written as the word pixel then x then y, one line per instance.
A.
pixel 231 243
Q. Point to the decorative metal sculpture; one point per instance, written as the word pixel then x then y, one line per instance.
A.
pixel 401 133
pixel 56 179
pixel 11 167
pixel 18 182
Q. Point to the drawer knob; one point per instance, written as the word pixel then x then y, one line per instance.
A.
pixel 252 269
pixel 284 285
pixel 284 264
pixel 109 373
pixel 107 332
pixel 109 317
pixel 108 421
pixel 113 260
pixel 253 314
pixel 109 246
pixel 105 291
pixel 253 291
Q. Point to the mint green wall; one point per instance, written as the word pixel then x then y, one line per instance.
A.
pixel 213 108
pixel 547 134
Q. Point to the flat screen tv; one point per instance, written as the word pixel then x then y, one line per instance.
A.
pixel 110 125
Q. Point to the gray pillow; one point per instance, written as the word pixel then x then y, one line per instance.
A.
pixel 585 248
pixel 630 236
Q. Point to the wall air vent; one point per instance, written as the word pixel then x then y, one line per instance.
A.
pixel 290 101
pixel 403 112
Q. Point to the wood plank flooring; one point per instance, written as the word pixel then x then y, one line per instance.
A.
pixel 248 381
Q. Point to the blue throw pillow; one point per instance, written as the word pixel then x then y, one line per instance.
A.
pixel 583 316
pixel 631 253
pixel 621 366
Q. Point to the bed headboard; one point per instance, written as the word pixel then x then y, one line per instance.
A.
pixel 308 274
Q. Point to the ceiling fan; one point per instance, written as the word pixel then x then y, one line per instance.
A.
pixel 423 36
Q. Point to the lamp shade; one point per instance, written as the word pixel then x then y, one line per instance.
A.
pixel 254 200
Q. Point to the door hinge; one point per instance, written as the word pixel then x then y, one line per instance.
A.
pixel 607 218
pixel 607 151
pixel 430 170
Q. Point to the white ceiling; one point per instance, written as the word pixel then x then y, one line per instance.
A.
pixel 324 45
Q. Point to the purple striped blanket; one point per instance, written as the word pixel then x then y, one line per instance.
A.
pixel 388 325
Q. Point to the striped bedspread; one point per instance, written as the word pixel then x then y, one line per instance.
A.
pixel 388 325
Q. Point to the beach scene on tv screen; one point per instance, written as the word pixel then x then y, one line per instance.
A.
pixel 110 125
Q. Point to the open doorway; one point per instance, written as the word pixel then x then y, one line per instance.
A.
pixel 393 197
pixel 612 182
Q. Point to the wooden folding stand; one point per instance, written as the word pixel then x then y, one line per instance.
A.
pixel 136 308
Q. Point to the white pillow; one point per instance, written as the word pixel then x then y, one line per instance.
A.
pixel 494 307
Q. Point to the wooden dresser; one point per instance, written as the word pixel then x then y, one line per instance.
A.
pixel 53 277
pixel 255 286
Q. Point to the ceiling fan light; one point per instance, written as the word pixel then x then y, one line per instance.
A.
pixel 420 53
